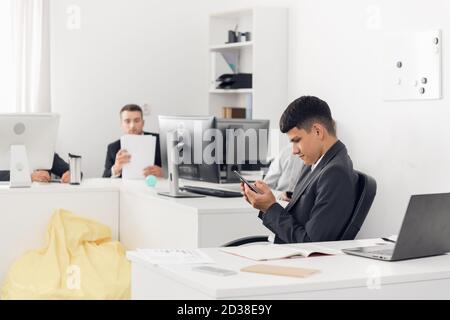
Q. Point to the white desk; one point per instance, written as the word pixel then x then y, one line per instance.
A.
pixel 340 277
pixel 138 217
pixel 25 213
pixel 148 220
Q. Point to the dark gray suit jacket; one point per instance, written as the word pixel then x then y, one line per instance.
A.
pixel 322 202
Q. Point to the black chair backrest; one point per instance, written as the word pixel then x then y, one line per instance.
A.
pixel 246 240
pixel 367 188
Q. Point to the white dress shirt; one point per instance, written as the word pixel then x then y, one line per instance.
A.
pixel 315 164
pixel 284 171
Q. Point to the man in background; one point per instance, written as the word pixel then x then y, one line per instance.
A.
pixel 60 168
pixel 132 122
pixel 284 172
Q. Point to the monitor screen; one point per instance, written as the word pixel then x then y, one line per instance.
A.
pixel 245 141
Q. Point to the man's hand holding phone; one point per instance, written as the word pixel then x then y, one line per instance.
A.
pixel 261 200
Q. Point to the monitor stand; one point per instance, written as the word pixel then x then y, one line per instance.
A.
pixel 19 170
pixel 173 150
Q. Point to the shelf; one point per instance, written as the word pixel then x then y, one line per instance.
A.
pixel 231 46
pixel 231 91
pixel 233 14
pixel 264 56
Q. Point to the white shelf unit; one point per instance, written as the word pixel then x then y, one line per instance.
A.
pixel 231 46
pixel 231 91
pixel 264 56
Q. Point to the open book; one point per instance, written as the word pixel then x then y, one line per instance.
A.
pixel 260 252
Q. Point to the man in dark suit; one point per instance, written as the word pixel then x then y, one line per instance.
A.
pixel 59 168
pixel 323 200
pixel 132 122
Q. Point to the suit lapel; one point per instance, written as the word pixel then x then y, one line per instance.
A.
pixel 306 179
pixel 302 185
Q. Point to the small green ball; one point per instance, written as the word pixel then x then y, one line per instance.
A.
pixel 151 181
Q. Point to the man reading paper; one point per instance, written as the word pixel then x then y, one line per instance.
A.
pixel 132 122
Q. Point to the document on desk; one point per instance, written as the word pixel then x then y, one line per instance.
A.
pixel 142 149
pixel 174 256
pixel 261 252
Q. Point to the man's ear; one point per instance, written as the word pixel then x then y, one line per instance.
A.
pixel 318 130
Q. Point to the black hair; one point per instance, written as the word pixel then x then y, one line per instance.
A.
pixel 303 112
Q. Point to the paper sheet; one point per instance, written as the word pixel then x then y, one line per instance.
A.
pixel 142 150
pixel 174 256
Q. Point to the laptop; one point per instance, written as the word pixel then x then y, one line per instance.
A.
pixel 425 231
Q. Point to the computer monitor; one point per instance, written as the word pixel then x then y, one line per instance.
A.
pixel 245 142
pixel 28 140
pixel 191 131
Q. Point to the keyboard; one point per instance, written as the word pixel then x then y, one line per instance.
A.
pixel 212 192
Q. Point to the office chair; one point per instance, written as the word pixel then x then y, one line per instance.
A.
pixel 367 189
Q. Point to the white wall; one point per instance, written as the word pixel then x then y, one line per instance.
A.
pixel 404 145
pixel 126 51
pixel 334 54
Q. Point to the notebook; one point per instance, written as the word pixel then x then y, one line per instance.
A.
pixel 261 252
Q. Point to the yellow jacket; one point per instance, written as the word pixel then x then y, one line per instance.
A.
pixel 79 261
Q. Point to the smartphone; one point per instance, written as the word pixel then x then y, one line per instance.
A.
pixel 214 270
pixel 251 186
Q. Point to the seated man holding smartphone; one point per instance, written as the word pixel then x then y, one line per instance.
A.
pixel 323 199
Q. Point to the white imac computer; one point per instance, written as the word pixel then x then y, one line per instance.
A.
pixel 27 143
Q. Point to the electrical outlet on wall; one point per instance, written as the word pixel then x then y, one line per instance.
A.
pixel 412 66
pixel 146 109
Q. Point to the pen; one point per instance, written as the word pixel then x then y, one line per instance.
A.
pixel 388 240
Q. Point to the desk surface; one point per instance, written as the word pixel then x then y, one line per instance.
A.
pixel 138 188
pixel 206 205
pixel 26 212
pixel 336 272
pixel 90 185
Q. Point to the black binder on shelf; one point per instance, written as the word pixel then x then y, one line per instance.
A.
pixel 235 81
